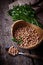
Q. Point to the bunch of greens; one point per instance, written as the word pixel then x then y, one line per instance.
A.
pixel 26 13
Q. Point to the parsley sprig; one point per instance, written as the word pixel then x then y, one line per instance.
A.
pixel 26 13
pixel 17 41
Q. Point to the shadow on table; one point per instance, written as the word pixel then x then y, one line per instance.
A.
pixel 39 50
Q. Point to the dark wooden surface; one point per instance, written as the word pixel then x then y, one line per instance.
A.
pixel 5 39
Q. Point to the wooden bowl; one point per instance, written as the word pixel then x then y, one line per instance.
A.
pixel 18 23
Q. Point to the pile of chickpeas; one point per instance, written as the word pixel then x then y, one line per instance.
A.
pixel 12 50
pixel 28 34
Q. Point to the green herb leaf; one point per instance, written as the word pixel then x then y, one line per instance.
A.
pixel 17 41
pixel 14 39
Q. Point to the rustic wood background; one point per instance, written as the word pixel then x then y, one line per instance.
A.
pixel 5 40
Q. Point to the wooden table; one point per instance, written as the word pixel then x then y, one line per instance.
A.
pixel 5 39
